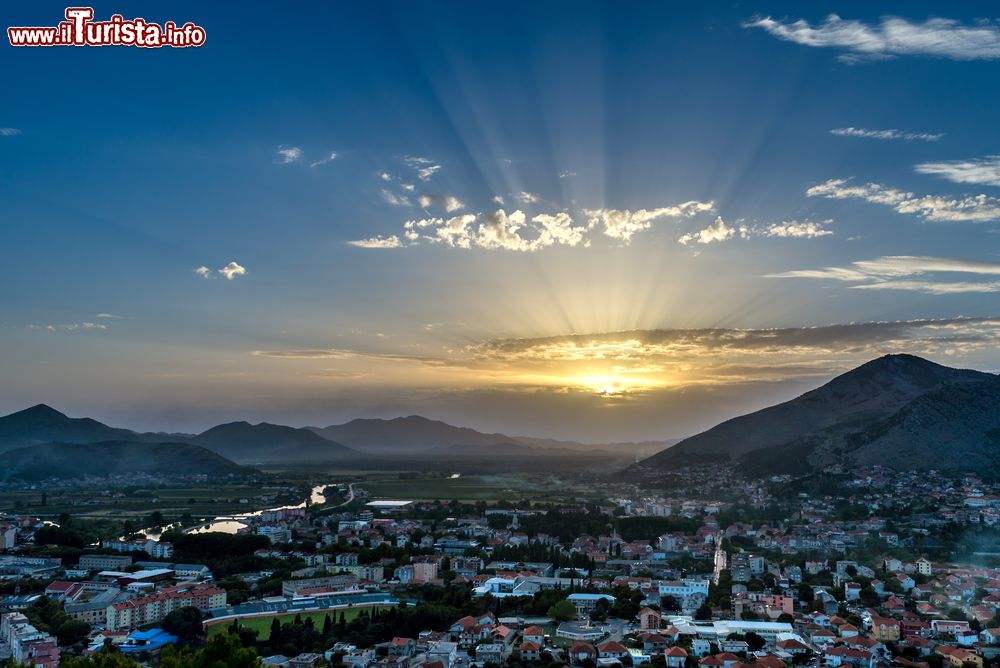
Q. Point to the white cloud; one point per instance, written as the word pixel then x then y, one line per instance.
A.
pixel 378 242
pixel 566 174
pixel 424 167
pixel 9 132
pixel 897 272
pixel 717 231
pixel 449 203
pixel 805 229
pixel 886 134
pixel 395 200
pixel 982 171
pixel 288 154
pixel 497 199
pixel 528 198
pixel 72 327
pixel 385 176
pixel 498 231
pixel 935 37
pixel 232 270
pixel 111 316
pixel 929 207
pixel 624 224
pixel 329 158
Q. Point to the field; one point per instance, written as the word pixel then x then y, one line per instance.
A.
pixel 263 624
pixel 475 487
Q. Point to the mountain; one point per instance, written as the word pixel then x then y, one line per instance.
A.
pixel 419 436
pixel 44 424
pixel 898 410
pixel 107 458
pixel 405 434
pixel 265 442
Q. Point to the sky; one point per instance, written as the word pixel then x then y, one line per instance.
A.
pixel 582 220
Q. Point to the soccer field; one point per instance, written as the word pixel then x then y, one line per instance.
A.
pixel 263 624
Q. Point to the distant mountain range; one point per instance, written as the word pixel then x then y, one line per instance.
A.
pixel 109 458
pixel 414 434
pixel 267 442
pixel 901 411
pixel 413 438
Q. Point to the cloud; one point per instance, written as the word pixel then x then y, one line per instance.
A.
pixel 378 242
pixel 720 231
pixel 447 202
pixel 623 224
pixel 111 316
pixel 528 198
pixel 230 271
pixel 717 231
pixel 897 272
pixel 981 171
pixel 395 200
pixel 288 154
pixel 805 229
pixel 648 360
pixel 497 231
pixel 892 37
pixel 329 158
pixel 385 176
pixel 935 208
pixel 424 167
pixel 72 327
pixel 9 132
pixel 886 134
pixel 497 199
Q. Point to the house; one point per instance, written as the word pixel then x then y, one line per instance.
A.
pixel 792 646
pixel 842 655
pixel 490 653
pixel 649 619
pixel 307 660
pixel 402 646
pixel 675 657
pixel 580 652
pixel 701 647
pixel 924 566
pixel 886 629
pixel 611 650
pixel 534 634
pixel 654 642
pixel 445 652
pixel 530 651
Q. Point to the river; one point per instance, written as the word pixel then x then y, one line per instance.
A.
pixel 234 523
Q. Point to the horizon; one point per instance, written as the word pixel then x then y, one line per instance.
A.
pixel 575 221
pixel 321 425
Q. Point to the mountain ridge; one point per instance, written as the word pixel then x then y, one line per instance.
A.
pixel 898 410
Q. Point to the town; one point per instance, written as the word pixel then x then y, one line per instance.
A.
pixel 865 567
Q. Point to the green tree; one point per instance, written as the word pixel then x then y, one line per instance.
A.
pixel 562 611
pixel 186 624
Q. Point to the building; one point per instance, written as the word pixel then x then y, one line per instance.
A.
pixel 154 548
pixel 274 534
pixel 327 583
pixel 104 562
pixel 585 604
pixel 154 607
pixel 27 645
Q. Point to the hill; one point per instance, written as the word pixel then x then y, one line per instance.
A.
pixel 44 424
pixel 898 410
pixel 111 458
pixel 265 442
pixel 415 435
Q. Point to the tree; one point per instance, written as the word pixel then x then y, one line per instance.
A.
pixel 754 641
pixel 186 624
pixel 704 612
pixel 562 611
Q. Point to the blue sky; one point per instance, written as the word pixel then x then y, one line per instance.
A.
pixel 675 169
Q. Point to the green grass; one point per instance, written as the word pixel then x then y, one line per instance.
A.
pixel 263 624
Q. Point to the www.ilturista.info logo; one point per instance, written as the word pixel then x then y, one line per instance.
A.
pixel 80 29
